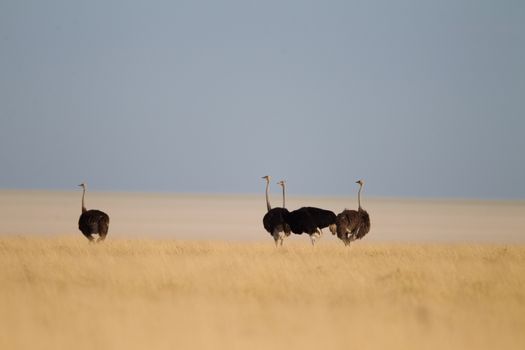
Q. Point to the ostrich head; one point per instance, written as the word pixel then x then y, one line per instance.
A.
pixel 83 185
pixel 267 178
pixel 360 182
pixel 281 183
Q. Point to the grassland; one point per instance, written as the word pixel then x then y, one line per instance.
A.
pixel 62 293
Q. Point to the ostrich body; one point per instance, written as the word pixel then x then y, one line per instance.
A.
pixel 352 224
pixel 93 221
pixel 274 220
pixel 311 220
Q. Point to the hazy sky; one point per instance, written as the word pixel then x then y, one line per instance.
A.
pixel 419 98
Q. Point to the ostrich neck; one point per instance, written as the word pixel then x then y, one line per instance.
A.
pixel 268 196
pixel 284 198
pixel 359 197
pixel 83 195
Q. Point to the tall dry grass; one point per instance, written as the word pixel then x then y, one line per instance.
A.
pixel 62 293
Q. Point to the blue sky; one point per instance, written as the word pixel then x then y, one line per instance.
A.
pixel 419 98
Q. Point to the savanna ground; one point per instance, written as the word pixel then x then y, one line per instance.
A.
pixel 63 293
pixel 200 272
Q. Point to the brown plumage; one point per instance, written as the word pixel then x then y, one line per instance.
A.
pixel 352 224
pixel 92 222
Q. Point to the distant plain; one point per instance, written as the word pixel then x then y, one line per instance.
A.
pixel 239 217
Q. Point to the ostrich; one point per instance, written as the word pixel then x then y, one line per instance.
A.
pixel 352 224
pixel 92 221
pixel 311 220
pixel 273 220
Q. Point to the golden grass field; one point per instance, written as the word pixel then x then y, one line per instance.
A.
pixel 62 293
pixel 428 276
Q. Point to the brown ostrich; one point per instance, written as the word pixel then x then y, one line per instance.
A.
pixel 352 224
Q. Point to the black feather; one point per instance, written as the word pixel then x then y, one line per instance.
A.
pixel 309 219
pixel 94 222
pixel 274 219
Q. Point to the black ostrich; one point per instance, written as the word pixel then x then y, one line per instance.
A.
pixel 352 224
pixel 311 220
pixel 274 220
pixel 92 222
